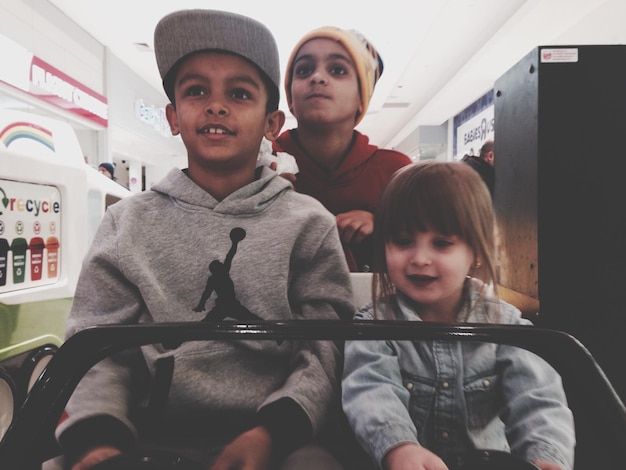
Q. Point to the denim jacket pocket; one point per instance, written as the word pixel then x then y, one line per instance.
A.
pixel 481 398
pixel 422 393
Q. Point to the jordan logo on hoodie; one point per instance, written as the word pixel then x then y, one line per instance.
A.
pixel 226 303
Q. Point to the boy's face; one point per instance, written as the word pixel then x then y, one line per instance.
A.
pixel 325 84
pixel 220 113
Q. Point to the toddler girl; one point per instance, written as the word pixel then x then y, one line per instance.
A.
pixel 415 404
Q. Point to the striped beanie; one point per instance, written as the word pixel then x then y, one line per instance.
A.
pixel 368 64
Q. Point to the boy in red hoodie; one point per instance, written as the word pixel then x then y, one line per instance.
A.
pixel 329 81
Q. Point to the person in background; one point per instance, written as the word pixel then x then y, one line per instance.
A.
pixel 107 169
pixel 329 82
pixel 417 404
pixel 484 164
pixel 218 240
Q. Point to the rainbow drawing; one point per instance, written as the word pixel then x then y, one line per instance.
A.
pixel 26 130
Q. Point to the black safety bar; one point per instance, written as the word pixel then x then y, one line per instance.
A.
pixel 42 409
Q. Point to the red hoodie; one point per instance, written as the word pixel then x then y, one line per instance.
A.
pixel 355 185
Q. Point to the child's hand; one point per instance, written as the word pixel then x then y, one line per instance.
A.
pixel 547 465
pixel 95 456
pixel 252 450
pixel 355 225
pixel 412 457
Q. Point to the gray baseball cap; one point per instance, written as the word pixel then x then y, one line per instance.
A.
pixel 187 31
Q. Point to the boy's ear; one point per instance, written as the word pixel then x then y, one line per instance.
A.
pixel 358 113
pixel 172 118
pixel 274 122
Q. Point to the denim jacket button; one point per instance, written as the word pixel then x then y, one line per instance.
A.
pixel 445 435
pixel 487 383
pixel 445 385
pixel 409 386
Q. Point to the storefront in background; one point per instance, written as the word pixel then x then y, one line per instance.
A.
pixel 473 126
pixel 142 146
pixel 51 66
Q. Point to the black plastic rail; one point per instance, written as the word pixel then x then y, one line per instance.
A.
pixel 37 418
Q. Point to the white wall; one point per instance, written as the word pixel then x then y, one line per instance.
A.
pixel 40 27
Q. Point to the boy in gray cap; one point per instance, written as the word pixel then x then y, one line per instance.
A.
pixel 218 240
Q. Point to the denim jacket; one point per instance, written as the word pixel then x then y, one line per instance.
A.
pixel 451 397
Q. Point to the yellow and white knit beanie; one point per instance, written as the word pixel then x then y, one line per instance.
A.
pixel 368 64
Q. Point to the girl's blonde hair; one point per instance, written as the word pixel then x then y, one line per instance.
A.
pixel 446 197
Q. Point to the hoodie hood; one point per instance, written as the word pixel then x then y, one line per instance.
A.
pixel 250 199
pixel 359 154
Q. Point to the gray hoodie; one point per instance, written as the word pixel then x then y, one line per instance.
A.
pixel 175 253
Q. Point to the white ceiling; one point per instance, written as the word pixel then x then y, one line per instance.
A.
pixel 439 55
